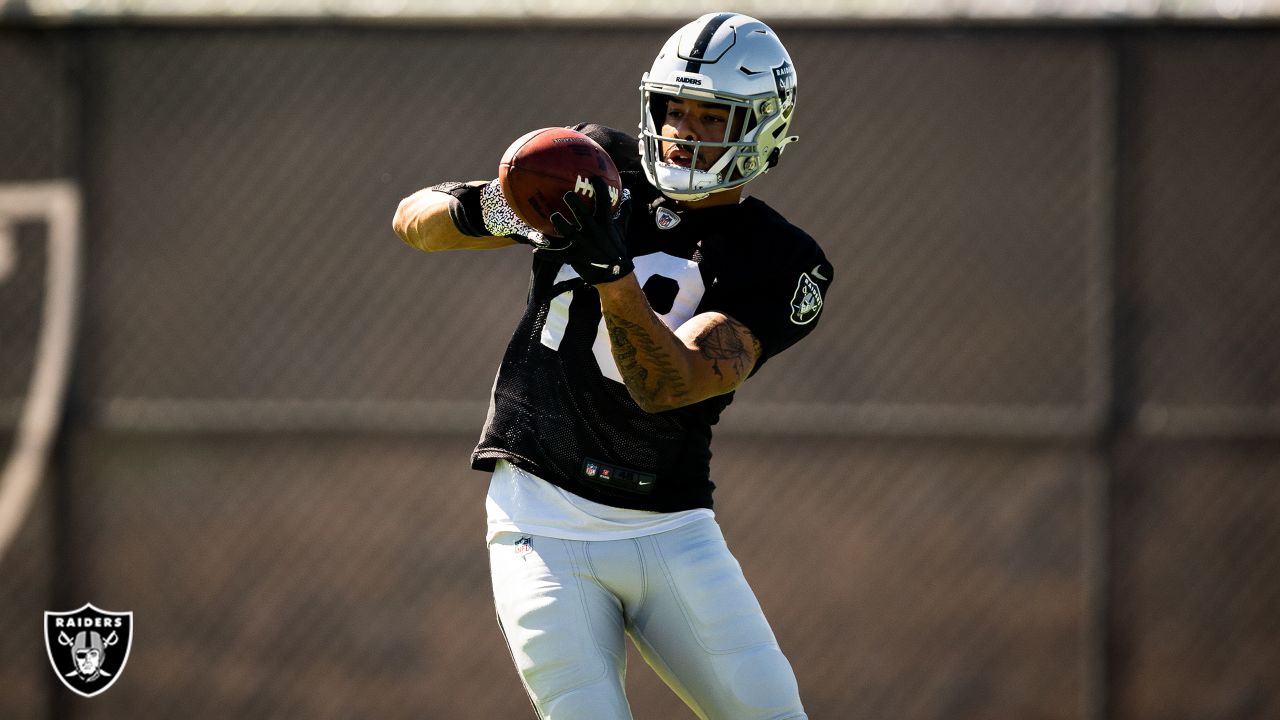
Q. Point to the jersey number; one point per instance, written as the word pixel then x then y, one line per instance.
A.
pixel 651 271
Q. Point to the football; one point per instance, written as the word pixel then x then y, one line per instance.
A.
pixel 541 166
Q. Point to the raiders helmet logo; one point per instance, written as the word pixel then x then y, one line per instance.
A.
pixel 806 301
pixel 784 78
pixel 89 647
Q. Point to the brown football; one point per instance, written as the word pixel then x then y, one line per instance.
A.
pixel 541 166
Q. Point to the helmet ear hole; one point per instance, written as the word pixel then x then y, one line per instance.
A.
pixel 773 158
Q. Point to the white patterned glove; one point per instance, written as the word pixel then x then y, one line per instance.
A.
pixel 501 220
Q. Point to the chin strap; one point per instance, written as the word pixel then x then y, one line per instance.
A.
pixel 777 151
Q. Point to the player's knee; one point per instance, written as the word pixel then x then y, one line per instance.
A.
pixel 553 670
pixel 599 701
pixel 764 685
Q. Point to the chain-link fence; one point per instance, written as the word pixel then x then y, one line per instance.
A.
pixel 1026 468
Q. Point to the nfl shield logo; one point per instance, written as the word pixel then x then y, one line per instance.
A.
pixel 666 219
pixel 88 648
pixel 524 546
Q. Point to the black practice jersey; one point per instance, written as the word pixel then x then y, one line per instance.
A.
pixel 559 408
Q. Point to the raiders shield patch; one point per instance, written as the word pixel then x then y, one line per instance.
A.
pixel 88 648
pixel 807 300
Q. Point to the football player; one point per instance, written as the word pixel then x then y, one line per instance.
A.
pixel 638 329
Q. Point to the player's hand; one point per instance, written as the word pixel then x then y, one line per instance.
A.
pixel 597 246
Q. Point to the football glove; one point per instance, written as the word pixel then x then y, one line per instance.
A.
pixel 502 221
pixel 597 246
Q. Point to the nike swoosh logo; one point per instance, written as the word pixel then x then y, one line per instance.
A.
pixel 815 272
pixel 606 266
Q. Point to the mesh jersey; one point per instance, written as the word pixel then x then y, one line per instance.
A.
pixel 559 408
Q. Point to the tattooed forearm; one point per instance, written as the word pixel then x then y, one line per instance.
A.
pixel 647 366
pixel 722 341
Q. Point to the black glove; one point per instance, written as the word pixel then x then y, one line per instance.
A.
pixel 596 243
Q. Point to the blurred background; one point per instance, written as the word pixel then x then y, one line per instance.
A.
pixel 1027 467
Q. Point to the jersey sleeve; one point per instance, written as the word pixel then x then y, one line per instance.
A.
pixel 624 149
pixel 779 299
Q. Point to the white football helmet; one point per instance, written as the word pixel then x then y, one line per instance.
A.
pixel 730 59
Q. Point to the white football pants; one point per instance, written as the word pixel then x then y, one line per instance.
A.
pixel 564 606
